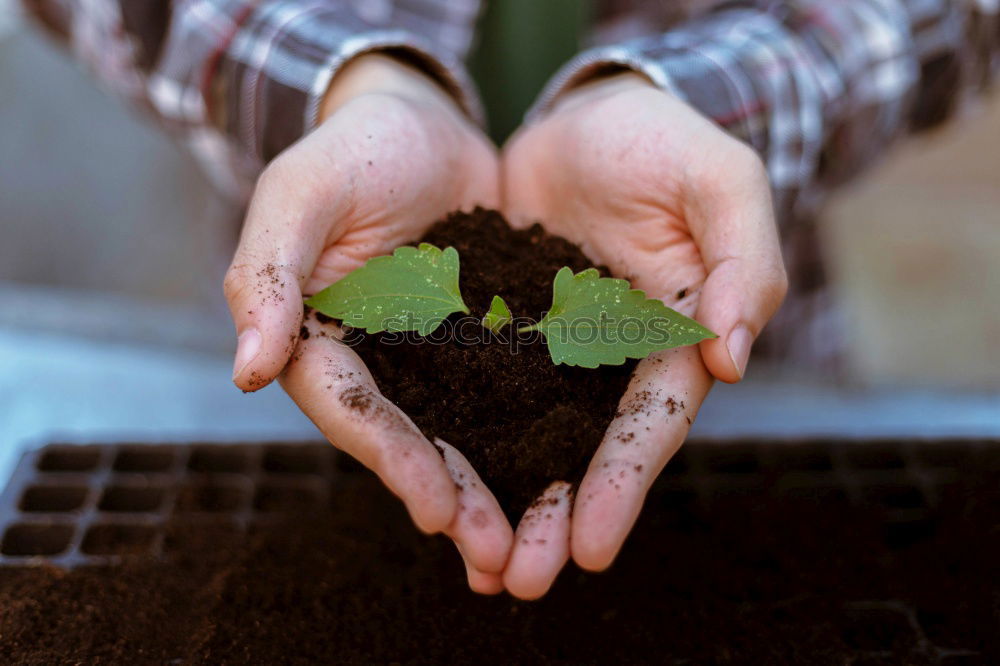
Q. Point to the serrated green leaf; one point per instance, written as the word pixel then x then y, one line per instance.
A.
pixel 601 321
pixel 498 315
pixel 413 289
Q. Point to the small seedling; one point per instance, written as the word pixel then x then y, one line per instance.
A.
pixel 593 320
pixel 498 316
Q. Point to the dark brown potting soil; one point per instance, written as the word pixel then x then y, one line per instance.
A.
pixel 749 579
pixel 522 421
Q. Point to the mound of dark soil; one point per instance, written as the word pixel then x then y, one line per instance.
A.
pixel 522 421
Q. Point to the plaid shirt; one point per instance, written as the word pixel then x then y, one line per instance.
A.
pixel 817 87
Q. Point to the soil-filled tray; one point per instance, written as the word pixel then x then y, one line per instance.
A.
pixel 810 552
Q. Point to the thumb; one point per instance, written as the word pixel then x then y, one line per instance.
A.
pixel 266 304
pixel 736 301
pixel 733 225
pixel 278 248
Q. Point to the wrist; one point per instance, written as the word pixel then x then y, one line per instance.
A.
pixel 599 87
pixel 379 73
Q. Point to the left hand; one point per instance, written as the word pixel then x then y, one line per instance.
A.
pixel 662 196
pixel 393 152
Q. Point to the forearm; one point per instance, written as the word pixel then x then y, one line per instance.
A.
pixel 817 88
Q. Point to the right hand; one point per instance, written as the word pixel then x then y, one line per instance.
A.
pixel 392 154
pixel 648 187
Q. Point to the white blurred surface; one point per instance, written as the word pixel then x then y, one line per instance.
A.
pixel 56 387
pixel 94 195
pixel 10 17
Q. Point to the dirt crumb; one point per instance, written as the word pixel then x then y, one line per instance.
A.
pixel 357 398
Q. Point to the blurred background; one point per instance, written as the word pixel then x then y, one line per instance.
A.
pixel 113 247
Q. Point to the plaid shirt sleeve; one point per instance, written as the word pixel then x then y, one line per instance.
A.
pixel 240 80
pixel 817 87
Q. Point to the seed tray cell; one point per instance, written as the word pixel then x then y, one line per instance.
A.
pixel 144 459
pixel 53 498
pixel 70 459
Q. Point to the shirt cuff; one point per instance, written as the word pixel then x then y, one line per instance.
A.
pixel 271 77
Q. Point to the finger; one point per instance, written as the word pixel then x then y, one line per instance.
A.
pixel 334 389
pixel 653 419
pixel 279 245
pixel 541 544
pixel 732 221
pixel 481 582
pixel 480 528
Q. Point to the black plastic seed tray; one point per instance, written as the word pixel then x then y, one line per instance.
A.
pixel 71 505
pixel 78 505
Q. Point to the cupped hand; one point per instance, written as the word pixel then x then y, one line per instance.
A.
pixel 392 154
pixel 663 197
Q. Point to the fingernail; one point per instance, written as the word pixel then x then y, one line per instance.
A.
pixel 247 346
pixel 739 343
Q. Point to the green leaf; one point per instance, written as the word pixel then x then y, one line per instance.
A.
pixel 498 316
pixel 595 321
pixel 413 289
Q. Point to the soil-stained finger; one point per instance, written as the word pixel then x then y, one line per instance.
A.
pixel 334 389
pixel 541 543
pixel 652 420
pixel 480 527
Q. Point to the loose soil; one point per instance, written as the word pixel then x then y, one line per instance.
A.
pixel 522 421
pixel 749 579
